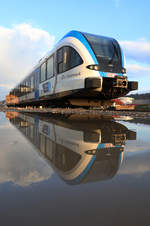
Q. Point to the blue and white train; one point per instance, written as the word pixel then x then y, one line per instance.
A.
pixel 82 70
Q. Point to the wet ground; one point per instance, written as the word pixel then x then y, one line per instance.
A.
pixel 97 113
pixel 74 170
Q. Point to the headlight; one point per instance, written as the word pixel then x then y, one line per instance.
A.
pixel 94 67
pixel 123 70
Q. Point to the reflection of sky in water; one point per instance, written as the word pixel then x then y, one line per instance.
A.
pixel 142 142
pixel 137 153
pixel 142 131
pixel 19 161
pixel 136 165
pixel 3 119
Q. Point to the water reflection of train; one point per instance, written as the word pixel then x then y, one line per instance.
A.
pixel 79 151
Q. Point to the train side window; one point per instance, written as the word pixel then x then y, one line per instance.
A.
pixel 16 91
pixel 21 89
pixel 43 72
pixel 24 84
pixel 29 85
pixel 25 87
pixel 60 60
pixel 50 67
pixel 32 83
pixel 67 58
pixel 75 58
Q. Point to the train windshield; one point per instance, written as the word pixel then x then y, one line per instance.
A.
pixel 107 52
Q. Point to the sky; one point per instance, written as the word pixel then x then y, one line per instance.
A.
pixel 18 151
pixel 29 29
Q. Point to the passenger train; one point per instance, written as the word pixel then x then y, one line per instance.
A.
pixel 82 70
pixel 78 154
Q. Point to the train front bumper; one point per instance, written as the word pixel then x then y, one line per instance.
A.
pixel 132 85
pixel 92 83
pixel 118 82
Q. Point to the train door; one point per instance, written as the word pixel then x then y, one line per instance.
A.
pixel 36 83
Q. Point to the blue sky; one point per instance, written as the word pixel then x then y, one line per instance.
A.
pixel 125 20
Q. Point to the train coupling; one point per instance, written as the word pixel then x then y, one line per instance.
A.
pixel 124 83
pixel 120 82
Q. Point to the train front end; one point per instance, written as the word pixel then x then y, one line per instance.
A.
pixel 109 63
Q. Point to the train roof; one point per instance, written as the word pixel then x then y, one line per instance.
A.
pixel 82 35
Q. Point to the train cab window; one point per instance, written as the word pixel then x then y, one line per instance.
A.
pixel 50 67
pixel 43 72
pixel 107 52
pixel 67 58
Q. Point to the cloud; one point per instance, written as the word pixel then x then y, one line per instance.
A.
pixel 19 161
pixel 137 50
pixel 140 73
pixel 135 68
pixel 136 165
pixel 134 148
pixel 21 48
pixel 138 61
pixel 6 86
